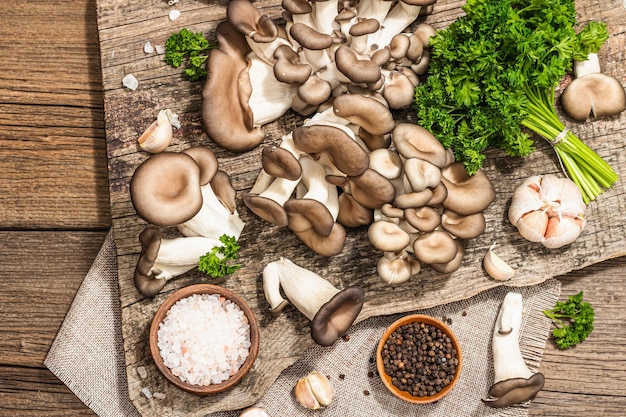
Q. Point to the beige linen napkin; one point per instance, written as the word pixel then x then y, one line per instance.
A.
pixel 88 355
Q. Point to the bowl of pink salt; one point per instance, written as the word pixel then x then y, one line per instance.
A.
pixel 204 339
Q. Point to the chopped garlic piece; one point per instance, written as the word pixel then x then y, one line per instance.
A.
pixel 174 14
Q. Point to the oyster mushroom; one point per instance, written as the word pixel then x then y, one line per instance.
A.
pixel 331 311
pixel 594 94
pixel 513 383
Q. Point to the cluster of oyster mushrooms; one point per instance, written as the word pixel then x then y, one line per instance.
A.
pixel 346 66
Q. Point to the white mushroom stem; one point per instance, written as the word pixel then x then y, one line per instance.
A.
pixel 317 188
pixel 589 66
pixel 508 361
pixel 306 290
pixel 398 19
pixel 373 9
pixel 280 190
pixel 179 255
pixel 270 98
pixel 324 13
pixel 213 220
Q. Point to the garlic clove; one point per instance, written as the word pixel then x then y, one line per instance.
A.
pixel 158 135
pixel 305 396
pixel 314 391
pixel 496 267
pixel 532 226
pixel 562 231
pixel 254 411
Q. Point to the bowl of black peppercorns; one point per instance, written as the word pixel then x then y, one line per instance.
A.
pixel 419 359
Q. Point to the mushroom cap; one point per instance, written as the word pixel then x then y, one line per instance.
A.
pixel 336 316
pixel 425 32
pixel 399 90
pixel 330 245
pixel 364 111
pixel 364 27
pixel 224 191
pixel 310 38
pixel 226 114
pixel 314 90
pixel 206 160
pixel 436 247
pixel 148 285
pixel 279 162
pixel 344 151
pixel 165 189
pixel 421 174
pixel 424 219
pixel 373 142
pixel 413 141
pixel 245 17
pixel 463 227
pixel 387 236
pixel 297 6
pixel 413 199
pixel 356 69
pixel 266 208
pixel 455 263
pixel 399 45
pixel 352 213
pixel 514 390
pixel 466 194
pixel 386 162
pixel 598 94
pixel 288 67
pixel 371 189
pixel 317 214
pixel 395 269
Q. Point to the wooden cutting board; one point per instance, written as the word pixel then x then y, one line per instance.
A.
pixel 124 27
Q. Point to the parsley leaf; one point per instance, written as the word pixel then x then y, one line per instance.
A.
pixel 186 46
pixel 493 71
pixel 573 319
pixel 215 263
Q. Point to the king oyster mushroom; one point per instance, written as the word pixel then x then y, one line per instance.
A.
pixel 331 311
pixel 513 383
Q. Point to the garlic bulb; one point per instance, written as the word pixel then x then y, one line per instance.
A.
pixel 314 391
pixel 158 135
pixel 548 209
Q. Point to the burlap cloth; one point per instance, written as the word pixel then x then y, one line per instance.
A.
pixel 88 355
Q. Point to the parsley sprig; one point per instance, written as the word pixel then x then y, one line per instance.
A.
pixel 495 70
pixel 191 49
pixel 215 263
pixel 573 320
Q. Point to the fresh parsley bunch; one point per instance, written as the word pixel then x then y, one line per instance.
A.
pixel 573 320
pixel 495 69
pixel 186 46
pixel 215 263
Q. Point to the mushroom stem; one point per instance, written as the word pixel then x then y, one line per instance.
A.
pixel 317 188
pixel 398 18
pixel 513 382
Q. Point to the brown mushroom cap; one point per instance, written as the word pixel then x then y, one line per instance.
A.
pixel 330 245
pixel 466 194
pixel 386 162
pixel 148 285
pixel 336 316
pixel 364 111
pixel 399 90
pixel 288 67
pixel 463 227
pixel 317 214
pixel 226 115
pixel 224 191
pixel 310 38
pixel 266 208
pixel 279 162
pixel 514 390
pixel 413 141
pixel 344 151
pixel 424 219
pixel 206 160
pixel 356 69
pixel 364 27
pixel 165 189
pixel 436 247
pixel 245 17
pixel 455 263
pixel 315 90
pixel 371 189
pixel 597 94
pixel 352 213
pixel 414 199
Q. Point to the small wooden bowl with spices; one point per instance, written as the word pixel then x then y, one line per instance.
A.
pixel 419 359
pixel 204 339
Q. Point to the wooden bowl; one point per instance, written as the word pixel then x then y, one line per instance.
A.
pixel 405 395
pixel 204 289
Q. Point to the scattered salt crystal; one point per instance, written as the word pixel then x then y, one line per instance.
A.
pixel 141 371
pixel 204 339
pixel 174 14
pixel 158 395
pixel 160 49
pixel 130 82
pixel 148 48
pixel 146 391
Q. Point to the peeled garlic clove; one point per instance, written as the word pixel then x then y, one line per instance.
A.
pixel 314 391
pixel 496 267
pixel 158 135
pixel 254 411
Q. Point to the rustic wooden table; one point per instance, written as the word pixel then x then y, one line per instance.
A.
pixel 55 213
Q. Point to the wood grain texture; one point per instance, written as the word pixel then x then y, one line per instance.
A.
pixel 284 339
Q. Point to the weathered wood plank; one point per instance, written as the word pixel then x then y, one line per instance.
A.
pixel 52 146
pixel 128 113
